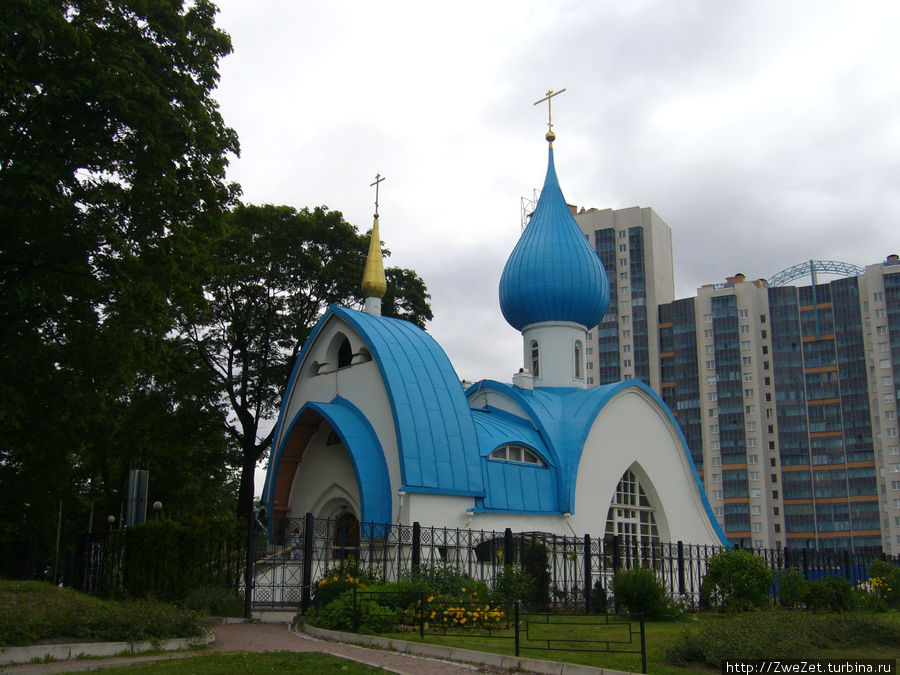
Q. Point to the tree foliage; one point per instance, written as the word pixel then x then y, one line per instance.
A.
pixel 274 274
pixel 112 178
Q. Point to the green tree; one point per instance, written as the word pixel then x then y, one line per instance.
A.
pixel 275 273
pixel 112 180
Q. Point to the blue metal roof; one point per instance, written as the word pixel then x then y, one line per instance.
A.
pixel 438 446
pixel 553 274
pixel 510 486
pixel 366 455
pixel 563 416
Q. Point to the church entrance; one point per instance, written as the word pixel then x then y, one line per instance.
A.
pixel 346 536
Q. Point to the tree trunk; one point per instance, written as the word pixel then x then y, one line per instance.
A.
pixel 245 492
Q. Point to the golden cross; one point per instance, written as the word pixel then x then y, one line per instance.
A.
pixel 378 179
pixel 548 98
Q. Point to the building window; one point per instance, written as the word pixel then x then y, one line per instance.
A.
pixel 626 349
pixel 717 478
pixel 878 296
pixel 632 518
pixel 716 461
pixel 745 345
pixel 708 333
pixel 713 428
pixel 717 494
pixel 744 313
pixel 748 377
pixel 881 330
pixel 710 365
pixel 754 476
pixel 754 492
pixel 751 442
pixel 748 393
pixel 745 329
pixel 622 248
pixel 516 453
pixel 590 380
pixel 756 510
pixel 578 360
pixel 623 262
pixel 753 459
pixel 746 361
pixel 626 363
pixel 711 396
pixel 626 333
pixel 535 359
pixel 622 234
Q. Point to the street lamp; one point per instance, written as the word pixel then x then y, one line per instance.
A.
pixel 157 506
pixel 111 520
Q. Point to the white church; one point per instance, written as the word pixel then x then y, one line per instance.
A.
pixel 376 427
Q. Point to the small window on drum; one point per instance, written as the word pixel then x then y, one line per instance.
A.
pixel 517 454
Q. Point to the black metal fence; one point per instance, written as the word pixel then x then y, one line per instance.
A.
pixel 283 572
pixel 580 568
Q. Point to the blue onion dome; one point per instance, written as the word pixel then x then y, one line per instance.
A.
pixel 553 274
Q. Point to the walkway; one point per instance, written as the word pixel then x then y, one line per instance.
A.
pixel 266 637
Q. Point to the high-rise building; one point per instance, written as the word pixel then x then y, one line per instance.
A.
pixel 786 395
pixel 635 247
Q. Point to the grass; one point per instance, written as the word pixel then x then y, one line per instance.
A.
pixel 663 636
pixel 248 664
pixel 32 612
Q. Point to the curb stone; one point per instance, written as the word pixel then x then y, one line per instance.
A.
pixel 460 655
pixel 66 652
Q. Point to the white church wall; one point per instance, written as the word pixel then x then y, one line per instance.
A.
pixel 360 384
pixel 630 429
pixel 323 479
pixel 432 510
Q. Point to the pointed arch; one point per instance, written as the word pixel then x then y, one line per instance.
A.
pixel 635 517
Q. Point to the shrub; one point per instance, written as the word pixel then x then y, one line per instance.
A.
pixel 337 580
pixel 832 593
pixel 513 584
pixel 639 592
pixel 372 617
pixel 884 581
pixel 214 601
pixel 399 595
pixel 736 579
pixel 534 561
pixel 791 588
pixel 780 635
pixel 446 580
pixel 598 598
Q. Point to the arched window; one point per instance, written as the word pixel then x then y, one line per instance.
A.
pixel 535 359
pixel 516 453
pixel 345 354
pixel 631 518
pixel 578 359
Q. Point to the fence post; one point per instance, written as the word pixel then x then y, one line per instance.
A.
pixel 248 569
pixel 516 619
pixel 847 571
pixel 643 647
pixel 806 563
pixel 680 567
pixel 588 576
pixel 508 547
pixel 309 525
pixel 416 547
pixel 615 553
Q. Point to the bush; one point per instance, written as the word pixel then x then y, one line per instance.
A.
pixel 399 595
pixel 337 580
pixel 513 584
pixel 372 617
pixel 33 610
pixel 884 581
pixel 214 601
pixel 780 635
pixel 534 561
pixel 598 598
pixel 832 593
pixel 736 579
pixel 639 592
pixel 446 580
pixel 791 588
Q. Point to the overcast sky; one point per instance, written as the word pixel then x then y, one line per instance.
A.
pixel 763 133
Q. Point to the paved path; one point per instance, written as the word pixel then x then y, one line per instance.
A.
pixel 266 637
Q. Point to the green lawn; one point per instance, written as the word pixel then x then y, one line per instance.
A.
pixel 660 637
pixel 248 663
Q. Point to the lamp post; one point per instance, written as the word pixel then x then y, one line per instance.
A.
pixel 157 506
pixel 111 519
